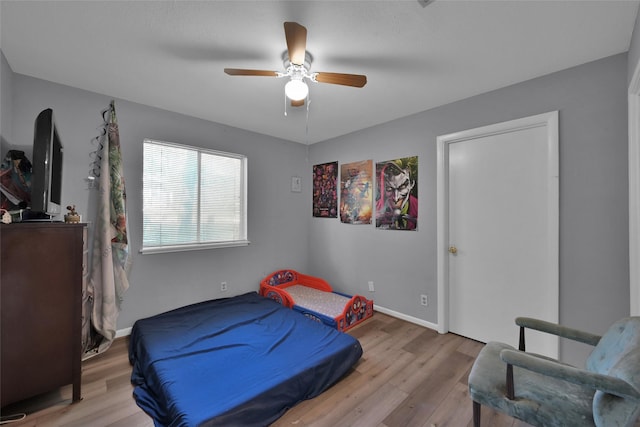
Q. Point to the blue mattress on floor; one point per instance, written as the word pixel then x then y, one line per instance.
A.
pixel 240 361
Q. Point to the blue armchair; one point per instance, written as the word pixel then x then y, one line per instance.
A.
pixel 545 392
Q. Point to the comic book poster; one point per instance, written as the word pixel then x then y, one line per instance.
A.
pixel 356 192
pixel 397 194
pixel 325 190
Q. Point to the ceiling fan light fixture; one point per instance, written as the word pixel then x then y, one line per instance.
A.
pixel 296 90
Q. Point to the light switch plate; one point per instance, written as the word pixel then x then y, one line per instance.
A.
pixel 296 184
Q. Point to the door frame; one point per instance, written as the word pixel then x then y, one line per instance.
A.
pixel 550 121
pixel 634 192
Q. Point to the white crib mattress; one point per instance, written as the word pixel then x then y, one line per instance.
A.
pixel 328 303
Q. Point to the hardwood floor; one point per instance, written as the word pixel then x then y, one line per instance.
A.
pixel 408 376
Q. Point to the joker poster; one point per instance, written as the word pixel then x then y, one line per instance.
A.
pixel 397 194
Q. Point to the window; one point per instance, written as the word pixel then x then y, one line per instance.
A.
pixel 193 198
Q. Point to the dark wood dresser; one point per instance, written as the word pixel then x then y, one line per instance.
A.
pixel 43 270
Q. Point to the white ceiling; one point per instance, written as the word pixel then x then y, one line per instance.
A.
pixel 171 54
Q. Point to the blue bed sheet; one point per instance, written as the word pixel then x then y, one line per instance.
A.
pixel 240 361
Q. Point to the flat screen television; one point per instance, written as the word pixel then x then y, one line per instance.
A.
pixel 46 176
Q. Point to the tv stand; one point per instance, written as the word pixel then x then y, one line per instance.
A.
pixel 41 220
pixel 31 216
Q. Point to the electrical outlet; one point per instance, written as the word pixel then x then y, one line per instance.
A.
pixel 223 286
pixel 424 300
pixel 371 288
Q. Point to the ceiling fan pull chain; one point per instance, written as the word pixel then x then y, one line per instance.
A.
pixel 307 125
pixel 285 105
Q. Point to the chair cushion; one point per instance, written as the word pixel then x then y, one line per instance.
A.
pixel 540 400
pixel 614 410
pixel 618 355
pixel 621 339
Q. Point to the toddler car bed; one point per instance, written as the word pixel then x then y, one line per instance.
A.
pixel 243 360
pixel 314 297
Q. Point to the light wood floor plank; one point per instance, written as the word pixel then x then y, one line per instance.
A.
pixel 424 400
pixel 375 408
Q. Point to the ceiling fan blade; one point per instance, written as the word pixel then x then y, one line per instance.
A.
pixel 296 36
pixel 355 80
pixel 297 103
pixel 241 72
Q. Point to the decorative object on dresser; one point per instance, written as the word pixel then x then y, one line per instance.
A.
pixel 42 280
pixel 73 217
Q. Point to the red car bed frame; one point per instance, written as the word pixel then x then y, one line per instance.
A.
pixel 352 309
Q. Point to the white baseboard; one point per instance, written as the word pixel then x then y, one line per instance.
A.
pixel 127 331
pixel 401 316
pixel 123 332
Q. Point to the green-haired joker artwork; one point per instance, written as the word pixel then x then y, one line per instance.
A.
pixel 397 194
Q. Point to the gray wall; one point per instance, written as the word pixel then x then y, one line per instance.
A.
pixel 594 268
pixel 634 48
pixel 6 100
pixel 278 218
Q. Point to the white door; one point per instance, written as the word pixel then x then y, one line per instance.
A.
pixel 634 191
pixel 501 220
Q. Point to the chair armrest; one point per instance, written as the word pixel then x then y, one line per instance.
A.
pixel 606 383
pixel 559 330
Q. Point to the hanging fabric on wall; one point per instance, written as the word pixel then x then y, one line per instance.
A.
pixel 111 259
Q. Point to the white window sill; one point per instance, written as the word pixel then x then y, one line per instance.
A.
pixel 192 247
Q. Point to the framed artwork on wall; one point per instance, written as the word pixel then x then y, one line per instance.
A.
pixel 356 192
pixel 325 190
pixel 397 194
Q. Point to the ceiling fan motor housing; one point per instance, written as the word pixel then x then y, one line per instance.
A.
pixel 308 59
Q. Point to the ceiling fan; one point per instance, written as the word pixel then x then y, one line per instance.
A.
pixel 297 62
